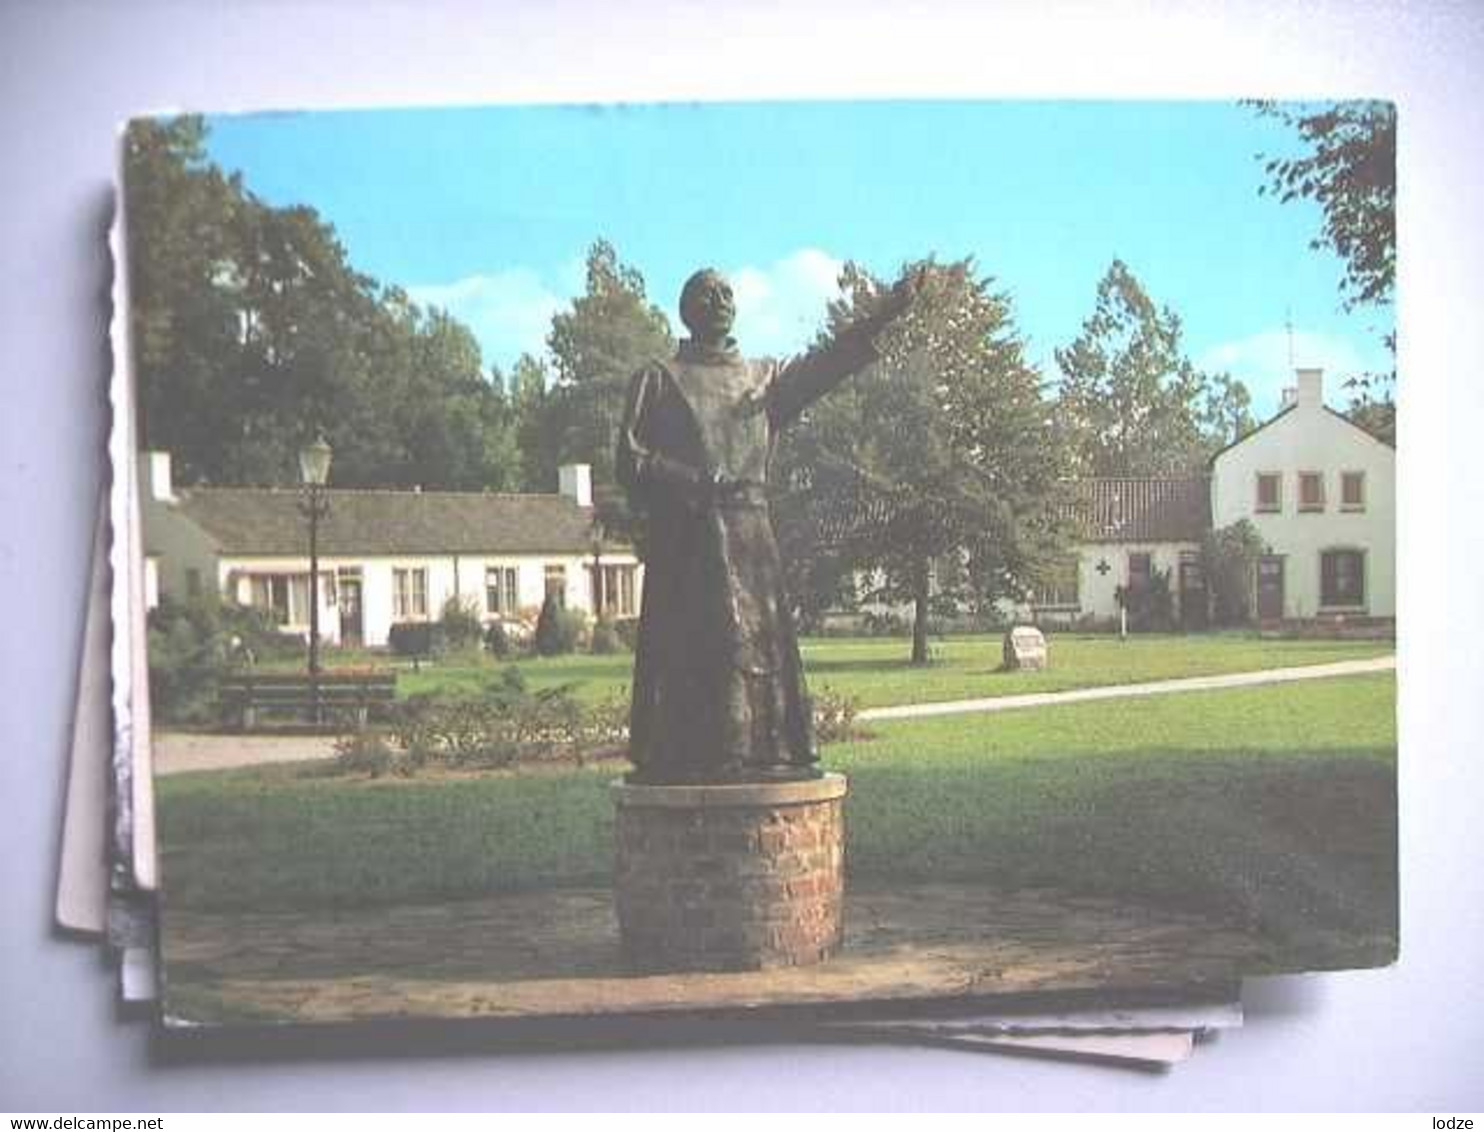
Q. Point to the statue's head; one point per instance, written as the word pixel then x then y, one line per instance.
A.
pixel 706 306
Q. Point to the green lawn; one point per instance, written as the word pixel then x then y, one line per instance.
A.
pixel 1276 805
pixel 875 671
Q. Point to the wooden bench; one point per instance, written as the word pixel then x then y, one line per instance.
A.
pixel 247 699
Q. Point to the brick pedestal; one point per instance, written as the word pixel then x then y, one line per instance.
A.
pixel 728 878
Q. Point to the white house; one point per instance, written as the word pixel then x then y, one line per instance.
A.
pixel 1129 530
pixel 1320 490
pixel 385 556
pixel 1322 493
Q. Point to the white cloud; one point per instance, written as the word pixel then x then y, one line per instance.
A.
pixel 508 311
pixel 781 307
pixel 1261 362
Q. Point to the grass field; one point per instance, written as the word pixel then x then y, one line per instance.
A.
pixel 1275 805
pixel 875 670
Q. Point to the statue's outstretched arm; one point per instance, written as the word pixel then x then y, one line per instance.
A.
pixel 809 377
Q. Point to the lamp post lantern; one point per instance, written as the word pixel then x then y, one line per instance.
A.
pixel 314 470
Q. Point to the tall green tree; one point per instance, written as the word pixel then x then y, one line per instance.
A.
pixel 1346 164
pixel 252 328
pixel 596 345
pixel 1130 403
pixel 933 472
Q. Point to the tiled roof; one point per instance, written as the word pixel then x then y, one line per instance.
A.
pixel 245 520
pixel 1141 510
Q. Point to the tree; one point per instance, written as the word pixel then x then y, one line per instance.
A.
pixel 251 328
pixel 1347 165
pixel 596 346
pixel 933 471
pixel 1130 403
pixel 1229 558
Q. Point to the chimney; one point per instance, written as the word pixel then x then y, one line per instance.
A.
pixel 575 481
pixel 1310 388
pixel 1290 395
pixel 157 480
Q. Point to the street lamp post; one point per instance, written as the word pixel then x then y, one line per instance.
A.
pixel 314 471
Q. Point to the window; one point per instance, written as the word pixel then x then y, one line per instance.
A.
pixel 1269 492
pixel 193 582
pixel 1059 588
pixel 1311 491
pixel 614 595
pixel 1352 491
pixel 409 593
pixel 556 585
pixel 500 590
pixel 1342 578
pixel 284 597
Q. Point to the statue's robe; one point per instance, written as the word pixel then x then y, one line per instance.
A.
pixel 719 692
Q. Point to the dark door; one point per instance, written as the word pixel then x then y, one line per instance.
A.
pixel 1270 587
pixel 1194 610
pixel 352 632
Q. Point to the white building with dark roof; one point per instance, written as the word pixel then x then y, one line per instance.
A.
pixel 385 556
pixel 1319 489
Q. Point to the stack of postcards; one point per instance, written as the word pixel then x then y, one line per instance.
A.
pixel 456 594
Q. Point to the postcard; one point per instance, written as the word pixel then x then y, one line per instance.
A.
pixel 753 560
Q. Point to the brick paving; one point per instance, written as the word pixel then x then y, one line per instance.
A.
pixel 557 952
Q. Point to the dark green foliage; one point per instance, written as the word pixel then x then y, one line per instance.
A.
pixel 251 326
pixel 1151 609
pixel 1347 166
pixel 558 630
pixel 933 472
pixel 834 716
pixel 368 752
pixel 605 638
pixel 459 626
pixel 1229 558
pixel 1130 403
pixel 193 644
pixel 627 629
pixel 609 332
pixel 497 640
pixel 414 638
pixel 501 723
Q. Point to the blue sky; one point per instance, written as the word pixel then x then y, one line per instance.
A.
pixel 489 212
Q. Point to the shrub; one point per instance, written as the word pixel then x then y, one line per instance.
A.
pixel 627 629
pixel 502 723
pixel 1229 557
pixel 414 638
pixel 558 630
pixel 834 716
pixel 193 644
pixel 605 638
pixel 1152 609
pixel 368 751
pixel 458 626
pixel 497 640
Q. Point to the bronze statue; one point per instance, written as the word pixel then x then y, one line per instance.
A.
pixel 719 691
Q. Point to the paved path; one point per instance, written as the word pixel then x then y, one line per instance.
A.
pixel 557 952
pixel 1118 691
pixel 176 751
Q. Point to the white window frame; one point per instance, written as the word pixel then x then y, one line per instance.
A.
pixel 506 590
pixel 409 584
